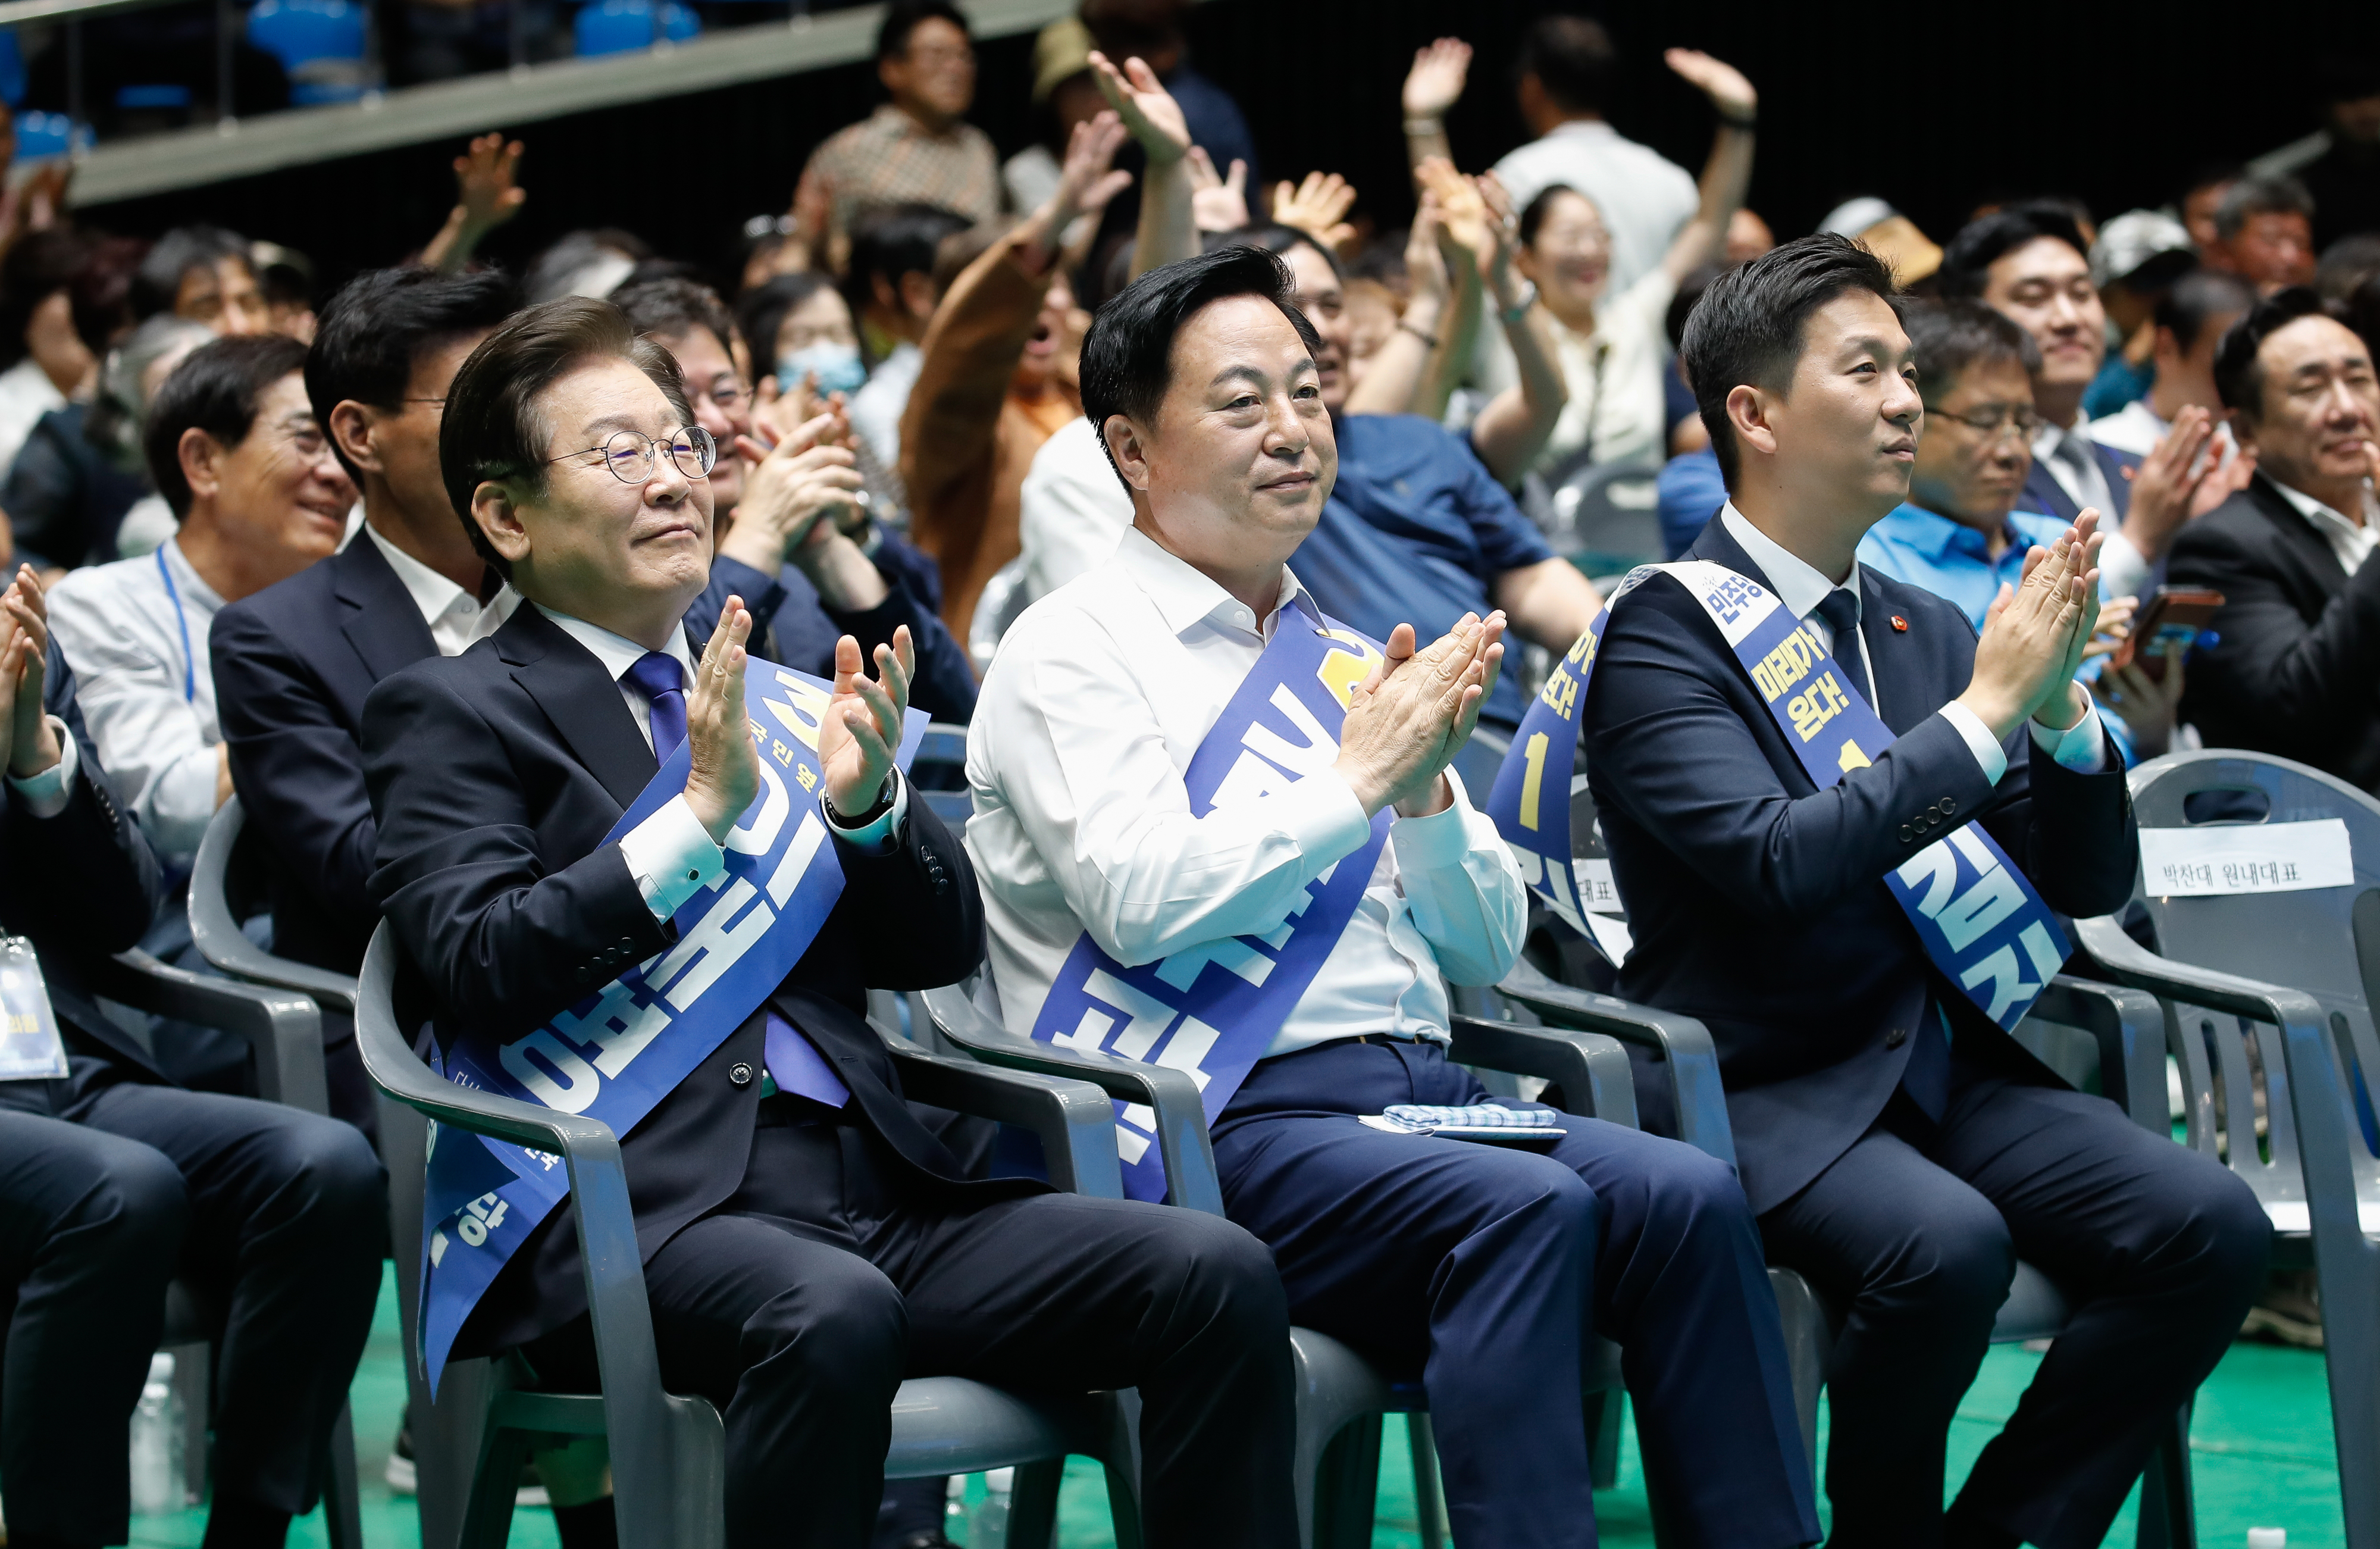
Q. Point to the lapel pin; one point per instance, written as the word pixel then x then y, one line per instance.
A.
pixel 1899 625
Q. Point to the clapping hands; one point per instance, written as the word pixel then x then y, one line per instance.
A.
pixel 2037 634
pixel 1407 720
pixel 861 729
pixel 28 743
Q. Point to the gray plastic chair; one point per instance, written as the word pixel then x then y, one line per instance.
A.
pixel 667 1451
pixel 1605 520
pixel 215 924
pixel 939 774
pixel 1341 1396
pixel 283 1033
pixel 2268 1002
pixel 2096 1036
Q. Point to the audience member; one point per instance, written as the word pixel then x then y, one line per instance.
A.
pixel 41 333
pixel 285 279
pixel 1959 535
pixel 2134 260
pixel 494 875
pixel 2344 181
pixel 1887 233
pixel 1461 1264
pixel 2028 262
pixel 891 291
pixel 2294 668
pixel 1564 77
pixel 79 487
pixel 917 149
pixel 1063 94
pixel 241 458
pixel 201 273
pixel 2263 233
pixel 1151 31
pixel 116 1178
pixel 1900 1151
pixel 2189 321
pixel 594 263
pixel 997 380
pixel 2346 264
pixel 487 195
pixel 2199 199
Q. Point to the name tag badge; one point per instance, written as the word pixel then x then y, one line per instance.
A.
pixel 2246 858
pixel 30 1047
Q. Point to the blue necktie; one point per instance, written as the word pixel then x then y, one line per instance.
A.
pixel 1841 610
pixel 793 1062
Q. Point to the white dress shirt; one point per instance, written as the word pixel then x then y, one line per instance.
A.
pixel 1802 587
pixel 2352 542
pixel 1088 718
pixel 25 394
pixel 877 408
pixel 1073 510
pixel 670 854
pixel 1644 198
pixel 455 619
pixel 138 650
pixel 2123 569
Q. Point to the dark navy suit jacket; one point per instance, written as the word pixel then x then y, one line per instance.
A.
pixel 1757 900
pixel 2043 493
pixel 294 663
pixel 495 776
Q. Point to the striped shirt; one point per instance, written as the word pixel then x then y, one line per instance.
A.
pixel 889 158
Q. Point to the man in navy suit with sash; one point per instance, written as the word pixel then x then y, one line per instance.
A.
pixel 807 1242
pixel 1901 1151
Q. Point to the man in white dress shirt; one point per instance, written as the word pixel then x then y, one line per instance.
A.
pixel 1479 1269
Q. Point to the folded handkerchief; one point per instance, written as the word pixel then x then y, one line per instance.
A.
pixel 1415 1118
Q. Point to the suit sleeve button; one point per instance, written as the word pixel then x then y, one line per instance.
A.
pixel 1907 833
pixel 1946 806
pixel 739 1075
pixel 1896 1037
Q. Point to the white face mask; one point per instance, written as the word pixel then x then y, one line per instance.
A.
pixel 837 366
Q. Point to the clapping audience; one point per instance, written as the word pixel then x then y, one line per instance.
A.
pixel 1089 434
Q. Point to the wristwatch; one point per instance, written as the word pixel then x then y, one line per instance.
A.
pixel 1520 309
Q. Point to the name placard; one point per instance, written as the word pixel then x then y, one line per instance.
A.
pixel 2246 858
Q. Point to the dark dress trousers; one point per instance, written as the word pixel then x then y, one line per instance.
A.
pixel 1757 904
pixel 2043 493
pixel 112 1180
pixel 2296 672
pixel 801 1260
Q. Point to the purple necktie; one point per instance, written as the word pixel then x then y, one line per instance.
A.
pixel 793 1062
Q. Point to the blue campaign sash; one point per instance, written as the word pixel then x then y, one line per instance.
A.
pixel 1977 917
pixel 617 1053
pixel 1211 1009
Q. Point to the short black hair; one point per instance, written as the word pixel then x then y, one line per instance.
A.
pixel 493 429
pixel 673 309
pixel 2254 196
pixel 158 282
pixel 762 311
pixel 1747 329
pixel 903 17
pixel 1128 354
pixel 1982 242
pixel 95 272
pixel 2199 298
pixel 2238 376
pixel 1534 213
pixel 1947 337
pixel 1572 60
pixel 893 242
pixel 383 321
pixel 215 389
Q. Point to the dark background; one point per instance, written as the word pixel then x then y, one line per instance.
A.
pixel 1935 107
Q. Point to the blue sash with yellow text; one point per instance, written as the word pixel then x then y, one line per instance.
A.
pixel 1210 1011
pixel 616 1055
pixel 1978 918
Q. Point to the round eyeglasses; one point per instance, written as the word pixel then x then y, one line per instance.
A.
pixel 632 458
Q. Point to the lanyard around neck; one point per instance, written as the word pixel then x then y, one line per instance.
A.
pixel 189 665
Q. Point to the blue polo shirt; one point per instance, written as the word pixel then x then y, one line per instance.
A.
pixel 1416 532
pixel 1915 545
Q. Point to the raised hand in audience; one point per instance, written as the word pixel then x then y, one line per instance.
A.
pixel 1407 720
pixel 1435 83
pixel 1086 180
pixel 811 473
pixel 31 742
pixel 727 772
pixel 861 729
pixel 1317 206
pixel 486 194
pixel 2165 487
pixel 1217 203
pixel 2035 634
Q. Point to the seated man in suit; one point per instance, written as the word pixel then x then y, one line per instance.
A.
pixel 807 1242
pixel 1901 1151
pixel 2296 671
pixel 2031 264
pixel 1116 898
pixel 113 1180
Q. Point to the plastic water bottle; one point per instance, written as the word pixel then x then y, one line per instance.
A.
pixel 988 1529
pixel 157 1487
pixel 2268 1538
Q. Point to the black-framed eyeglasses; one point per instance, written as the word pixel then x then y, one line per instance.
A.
pixel 1993 423
pixel 632 458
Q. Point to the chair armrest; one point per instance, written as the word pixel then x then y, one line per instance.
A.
pixel 284 1031
pixel 1170 1094
pixel 1073 1119
pixel 218 936
pixel 2130 1030
pixel 2131 963
pixel 1683 1044
pixel 1591 1068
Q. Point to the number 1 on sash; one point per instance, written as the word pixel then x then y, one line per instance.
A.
pixel 1533 759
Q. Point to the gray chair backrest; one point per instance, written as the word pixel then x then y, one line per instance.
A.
pixel 2322 941
pixel 215 923
pixel 939 774
pixel 1604 518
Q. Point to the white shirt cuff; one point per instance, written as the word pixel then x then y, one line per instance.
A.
pixel 2123 569
pixel 1441 839
pixel 45 795
pixel 672 857
pixel 1321 815
pixel 876 836
pixel 1979 738
pixel 2081 747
